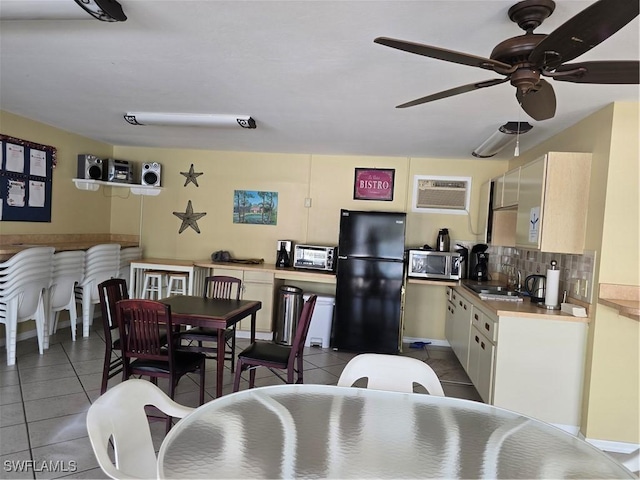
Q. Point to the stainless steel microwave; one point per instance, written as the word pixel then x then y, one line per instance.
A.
pixel 314 257
pixel 434 265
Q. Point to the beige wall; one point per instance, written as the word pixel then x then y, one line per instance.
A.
pixel 72 211
pixel 326 180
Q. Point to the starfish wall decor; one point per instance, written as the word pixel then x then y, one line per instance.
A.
pixel 189 219
pixel 192 176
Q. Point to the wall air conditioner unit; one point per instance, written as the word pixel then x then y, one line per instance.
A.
pixel 436 194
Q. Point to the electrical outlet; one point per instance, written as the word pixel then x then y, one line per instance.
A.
pixel 584 288
pixel 577 287
pixel 307 202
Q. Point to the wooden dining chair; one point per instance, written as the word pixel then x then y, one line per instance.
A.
pixel 110 292
pixel 275 356
pixel 215 286
pixel 390 372
pixel 144 350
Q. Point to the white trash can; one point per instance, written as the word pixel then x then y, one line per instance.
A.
pixel 320 328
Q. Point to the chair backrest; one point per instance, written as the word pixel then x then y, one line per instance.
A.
pixel 111 292
pixel 302 329
pixel 24 281
pixel 390 372
pixel 68 270
pixel 119 414
pixel 142 324
pixel 222 286
pixel 127 255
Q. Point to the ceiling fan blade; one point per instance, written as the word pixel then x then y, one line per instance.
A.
pixel 584 31
pixel 454 91
pixel 609 72
pixel 446 55
pixel 539 104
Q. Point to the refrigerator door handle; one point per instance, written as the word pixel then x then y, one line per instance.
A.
pixel 342 257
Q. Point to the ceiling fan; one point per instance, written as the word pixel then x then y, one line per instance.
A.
pixel 524 59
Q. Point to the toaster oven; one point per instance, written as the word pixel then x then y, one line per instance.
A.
pixel 314 257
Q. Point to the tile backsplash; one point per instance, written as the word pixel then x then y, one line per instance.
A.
pixel 576 271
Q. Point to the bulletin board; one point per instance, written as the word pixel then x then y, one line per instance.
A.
pixel 26 180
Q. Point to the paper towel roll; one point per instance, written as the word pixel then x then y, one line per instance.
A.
pixel 553 287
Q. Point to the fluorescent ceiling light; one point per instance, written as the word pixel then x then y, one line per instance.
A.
pixel 505 135
pixel 190 120
pixel 60 10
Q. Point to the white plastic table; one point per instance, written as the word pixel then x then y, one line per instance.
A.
pixel 322 431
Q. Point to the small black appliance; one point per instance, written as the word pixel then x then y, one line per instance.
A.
pixel 479 263
pixel 284 256
pixel 464 260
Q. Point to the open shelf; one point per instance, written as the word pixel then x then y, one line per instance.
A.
pixel 94 185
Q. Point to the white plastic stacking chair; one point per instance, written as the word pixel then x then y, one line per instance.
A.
pixel 119 414
pixel 128 255
pixel 68 271
pixel 24 279
pixel 390 372
pixel 102 262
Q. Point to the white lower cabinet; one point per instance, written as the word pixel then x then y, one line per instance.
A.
pixel 459 316
pixel 255 286
pixel 482 354
pixel 533 365
pixel 448 320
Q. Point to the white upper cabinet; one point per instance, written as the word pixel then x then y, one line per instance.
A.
pixel 552 203
pixel 511 188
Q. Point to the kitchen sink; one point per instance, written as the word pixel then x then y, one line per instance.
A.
pixel 492 289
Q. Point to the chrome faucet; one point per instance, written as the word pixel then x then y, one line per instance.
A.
pixel 518 281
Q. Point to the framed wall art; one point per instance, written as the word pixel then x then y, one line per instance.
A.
pixel 257 208
pixel 373 184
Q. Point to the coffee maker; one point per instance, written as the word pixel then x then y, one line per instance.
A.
pixel 479 263
pixel 284 254
pixel 464 260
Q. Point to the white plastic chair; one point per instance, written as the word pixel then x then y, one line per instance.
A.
pixel 390 372
pixel 119 414
pixel 24 279
pixel 102 262
pixel 68 270
pixel 127 255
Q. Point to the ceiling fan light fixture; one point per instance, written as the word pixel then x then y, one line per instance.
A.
pixel 505 135
pixel 104 10
pixel 190 120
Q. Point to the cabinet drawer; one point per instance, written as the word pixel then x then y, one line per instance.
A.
pixel 485 324
pixel 228 272
pixel 258 277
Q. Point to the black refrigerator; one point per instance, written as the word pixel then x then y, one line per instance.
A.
pixel 369 282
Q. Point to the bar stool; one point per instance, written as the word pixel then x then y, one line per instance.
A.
pixel 177 284
pixel 153 284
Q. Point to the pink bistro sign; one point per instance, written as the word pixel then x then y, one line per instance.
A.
pixel 373 184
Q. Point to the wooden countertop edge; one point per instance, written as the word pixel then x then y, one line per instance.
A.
pixel 522 309
pixel 627 308
pixel 624 298
pixel 288 273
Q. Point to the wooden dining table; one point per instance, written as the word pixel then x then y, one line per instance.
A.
pixel 213 313
pixel 325 431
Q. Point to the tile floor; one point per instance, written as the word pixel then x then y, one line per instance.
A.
pixel 44 399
